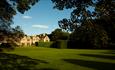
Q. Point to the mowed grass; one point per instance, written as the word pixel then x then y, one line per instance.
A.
pixel 68 59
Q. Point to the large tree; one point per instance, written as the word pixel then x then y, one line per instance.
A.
pixel 84 10
pixel 89 18
pixel 58 34
pixel 8 9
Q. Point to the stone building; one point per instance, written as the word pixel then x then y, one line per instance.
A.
pixel 31 40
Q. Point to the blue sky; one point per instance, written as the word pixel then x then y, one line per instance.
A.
pixel 41 18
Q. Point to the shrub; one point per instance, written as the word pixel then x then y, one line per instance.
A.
pixel 44 44
pixel 111 46
pixel 7 46
pixel 61 44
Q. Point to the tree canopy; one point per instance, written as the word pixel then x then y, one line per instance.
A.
pixel 91 20
pixel 98 9
pixel 58 34
pixel 8 9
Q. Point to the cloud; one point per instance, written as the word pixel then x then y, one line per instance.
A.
pixel 40 26
pixel 26 17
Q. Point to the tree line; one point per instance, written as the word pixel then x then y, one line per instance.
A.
pixel 91 28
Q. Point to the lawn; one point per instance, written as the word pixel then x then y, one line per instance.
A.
pixel 33 58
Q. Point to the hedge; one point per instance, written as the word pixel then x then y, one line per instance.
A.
pixel 61 44
pixel 44 44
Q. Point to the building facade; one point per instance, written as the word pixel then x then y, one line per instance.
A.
pixel 31 40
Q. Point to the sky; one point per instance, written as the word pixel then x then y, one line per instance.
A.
pixel 41 18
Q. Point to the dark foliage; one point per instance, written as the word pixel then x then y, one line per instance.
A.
pixel 6 45
pixel 13 36
pixel 60 44
pixel 89 35
pixel 9 8
pixel 44 44
pixel 58 34
pixel 91 21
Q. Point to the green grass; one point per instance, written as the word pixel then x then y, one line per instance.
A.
pixel 63 59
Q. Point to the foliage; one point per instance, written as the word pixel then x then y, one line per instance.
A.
pixel 89 35
pixel 98 13
pixel 60 44
pixel 17 34
pixel 9 8
pixel 14 36
pixel 108 25
pixel 7 46
pixel 44 44
pixel 80 13
pixel 58 34
pixel 111 46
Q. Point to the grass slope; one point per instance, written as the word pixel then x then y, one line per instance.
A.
pixel 61 59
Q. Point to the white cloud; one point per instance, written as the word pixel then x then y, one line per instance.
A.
pixel 26 17
pixel 40 26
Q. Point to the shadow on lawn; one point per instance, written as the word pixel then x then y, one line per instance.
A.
pixel 17 62
pixel 110 52
pixel 99 56
pixel 47 69
pixel 92 64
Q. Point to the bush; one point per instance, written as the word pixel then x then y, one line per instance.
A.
pixel 7 46
pixel 74 44
pixel 61 44
pixel 111 46
pixel 44 44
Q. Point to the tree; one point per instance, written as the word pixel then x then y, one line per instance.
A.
pixel 58 34
pixel 82 16
pixel 59 38
pixel 98 9
pixel 17 34
pixel 88 36
pixel 13 37
pixel 79 14
pixel 9 8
